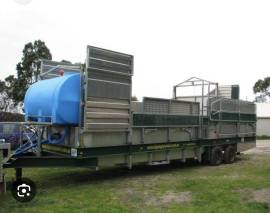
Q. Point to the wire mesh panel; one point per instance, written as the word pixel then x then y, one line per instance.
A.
pixel 155 106
pixel 108 90
pixel 169 106
pixel 225 91
pixel 52 69
pixel 232 110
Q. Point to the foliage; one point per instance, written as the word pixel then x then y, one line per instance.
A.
pixel 134 98
pixel 28 70
pixel 65 61
pixel 5 102
pixel 262 89
pixel 263 137
pixel 11 117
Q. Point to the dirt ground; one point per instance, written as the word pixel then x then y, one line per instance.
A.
pixel 262 147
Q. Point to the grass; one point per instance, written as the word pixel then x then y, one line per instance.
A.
pixel 169 188
pixel 262 137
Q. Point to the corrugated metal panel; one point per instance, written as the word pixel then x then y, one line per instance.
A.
pixel 107 113
pixel 108 93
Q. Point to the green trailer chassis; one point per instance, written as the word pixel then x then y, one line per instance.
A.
pixel 61 156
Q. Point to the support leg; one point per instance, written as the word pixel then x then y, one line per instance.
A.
pixel 18 173
pixel 2 184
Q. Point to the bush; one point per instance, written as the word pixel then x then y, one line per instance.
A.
pixel 11 117
pixel 263 137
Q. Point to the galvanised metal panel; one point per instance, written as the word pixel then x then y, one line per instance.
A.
pixel 169 106
pixel 184 108
pixel 247 107
pixel 248 117
pixel 108 90
pixel 155 106
pixel 195 108
pixel 225 91
pixel 230 105
pixel 180 108
pixel 236 117
pixel 137 106
pixel 228 128
pixel 247 128
pixel 232 110
pixel 155 120
pixel 50 69
pixel 100 64
pixel 105 89
pixel 107 113
pixel 235 92
pixel 108 76
pixel 109 60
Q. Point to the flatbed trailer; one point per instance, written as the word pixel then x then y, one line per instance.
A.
pixel 61 156
pixel 114 130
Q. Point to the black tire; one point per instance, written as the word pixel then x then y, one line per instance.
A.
pixel 205 157
pixel 216 156
pixel 229 155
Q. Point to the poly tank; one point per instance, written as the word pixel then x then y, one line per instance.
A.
pixel 55 100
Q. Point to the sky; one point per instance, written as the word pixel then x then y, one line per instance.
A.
pixel 222 41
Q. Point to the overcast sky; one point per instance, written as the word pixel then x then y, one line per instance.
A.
pixel 222 41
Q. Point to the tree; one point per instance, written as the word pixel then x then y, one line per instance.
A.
pixel 6 103
pixel 66 61
pixel 28 70
pixel 134 98
pixel 262 89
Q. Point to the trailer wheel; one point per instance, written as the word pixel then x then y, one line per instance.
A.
pixel 216 156
pixel 229 155
pixel 205 157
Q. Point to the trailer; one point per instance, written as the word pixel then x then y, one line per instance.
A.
pixel 83 115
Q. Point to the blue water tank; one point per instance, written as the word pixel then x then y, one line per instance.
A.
pixel 55 100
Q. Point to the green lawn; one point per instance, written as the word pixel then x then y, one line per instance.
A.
pixel 241 187
pixel 263 137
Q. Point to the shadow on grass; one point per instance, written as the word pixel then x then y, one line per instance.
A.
pixel 73 176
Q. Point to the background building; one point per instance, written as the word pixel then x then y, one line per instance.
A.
pixel 263 119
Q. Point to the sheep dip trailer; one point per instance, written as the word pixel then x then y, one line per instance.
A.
pixel 82 115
